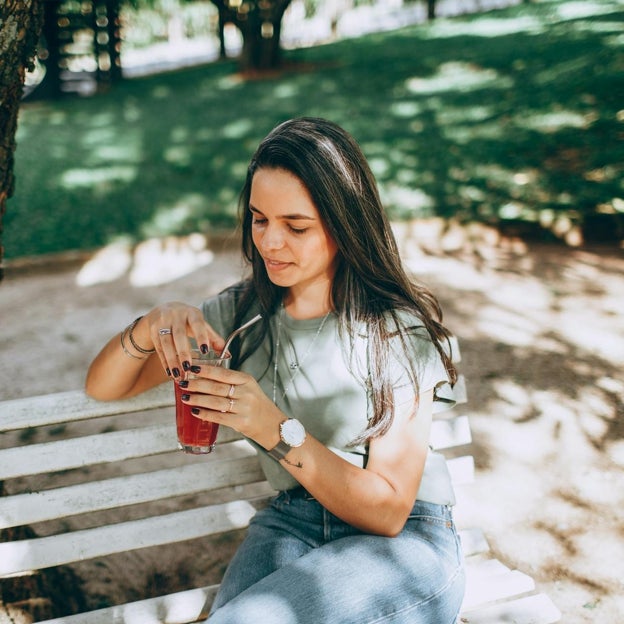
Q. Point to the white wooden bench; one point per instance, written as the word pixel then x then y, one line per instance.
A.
pixel 224 489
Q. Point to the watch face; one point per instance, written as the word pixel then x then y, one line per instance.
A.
pixel 292 432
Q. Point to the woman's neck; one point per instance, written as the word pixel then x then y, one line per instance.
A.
pixel 307 305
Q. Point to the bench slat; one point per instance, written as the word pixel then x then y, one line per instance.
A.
pixel 75 405
pixel 536 609
pixel 505 585
pixel 473 541
pixel 128 490
pixel 25 555
pixel 87 450
pixel 191 605
pixel 32 507
pixel 143 441
pixel 178 608
pixel 62 407
pixel 22 556
pixel 450 432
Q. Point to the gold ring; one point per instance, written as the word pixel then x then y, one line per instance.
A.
pixel 230 394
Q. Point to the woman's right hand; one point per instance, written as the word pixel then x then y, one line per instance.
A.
pixel 120 370
pixel 168 328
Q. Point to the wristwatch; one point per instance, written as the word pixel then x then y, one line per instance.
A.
pixel 292 434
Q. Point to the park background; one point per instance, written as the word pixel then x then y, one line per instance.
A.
pixel 496 137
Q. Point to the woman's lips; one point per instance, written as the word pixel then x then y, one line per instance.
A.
pixel 276 265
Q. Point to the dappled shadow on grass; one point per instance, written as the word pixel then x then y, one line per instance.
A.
pixel 508 115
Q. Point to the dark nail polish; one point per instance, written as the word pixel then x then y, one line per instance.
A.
pixel 186 365
pixel 185 397
pixel 204 348
pixel 183 383
pixel 168 371
pixel 176 372
pixel 195 369
pixel 195 410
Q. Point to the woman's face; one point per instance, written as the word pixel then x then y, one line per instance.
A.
pixel 288 232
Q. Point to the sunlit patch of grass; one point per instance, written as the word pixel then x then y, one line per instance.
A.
pixel 467 117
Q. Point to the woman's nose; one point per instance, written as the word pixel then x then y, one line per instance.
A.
pixel 272 238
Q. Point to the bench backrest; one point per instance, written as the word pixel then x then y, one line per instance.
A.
pixel 121 456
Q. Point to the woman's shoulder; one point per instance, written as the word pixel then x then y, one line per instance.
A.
pixel 222 306
pixel 405 321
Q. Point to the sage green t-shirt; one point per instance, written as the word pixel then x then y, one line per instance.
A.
pixel 321 379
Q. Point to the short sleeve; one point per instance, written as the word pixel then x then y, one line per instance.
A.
pixel 419 353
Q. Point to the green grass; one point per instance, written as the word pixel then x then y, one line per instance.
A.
pixel 512 114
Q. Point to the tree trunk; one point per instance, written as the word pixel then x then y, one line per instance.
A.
pixel 431 9
pixel 114 39
pixel 221 29
pixel 20 27
pixel 51 85
pixel 260 50
pixel 260 23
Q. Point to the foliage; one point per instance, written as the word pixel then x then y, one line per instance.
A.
pixel 514 114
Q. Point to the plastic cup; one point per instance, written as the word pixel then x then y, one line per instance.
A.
pixel 196 436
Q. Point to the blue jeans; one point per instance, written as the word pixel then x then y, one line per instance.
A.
pixel 299 564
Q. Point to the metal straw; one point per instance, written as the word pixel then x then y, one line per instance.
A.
pixel 236 332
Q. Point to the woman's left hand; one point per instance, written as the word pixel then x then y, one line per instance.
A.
pixel 235 399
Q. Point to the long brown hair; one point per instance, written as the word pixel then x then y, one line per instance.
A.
pixel 370 284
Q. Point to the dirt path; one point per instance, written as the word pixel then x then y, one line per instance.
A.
pixel 542 340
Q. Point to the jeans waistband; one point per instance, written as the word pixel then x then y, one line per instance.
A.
pixel 420 507
pixel 299 492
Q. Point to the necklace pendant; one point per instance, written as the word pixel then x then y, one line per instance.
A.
pixel 294 366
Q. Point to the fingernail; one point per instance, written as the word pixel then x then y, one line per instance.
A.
pixel 168 371
pixel 186 365
pixel 195 369
pixel 204 348
pixel 183 383
pixel 185 397
pixel 176 372
pixel 195 410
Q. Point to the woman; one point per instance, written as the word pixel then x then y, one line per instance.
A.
pixel 335 387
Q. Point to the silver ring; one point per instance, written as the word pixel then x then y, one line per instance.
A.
pixel 230 394
pixel 164 331
pixel 230 406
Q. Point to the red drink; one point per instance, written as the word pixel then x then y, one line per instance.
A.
pixel 195 435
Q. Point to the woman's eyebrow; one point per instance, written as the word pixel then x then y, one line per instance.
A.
pixel 288 217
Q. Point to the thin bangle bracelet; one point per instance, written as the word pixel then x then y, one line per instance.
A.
pixel 123 346
pixel 130 329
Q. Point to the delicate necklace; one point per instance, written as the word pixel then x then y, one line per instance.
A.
pixel 293 366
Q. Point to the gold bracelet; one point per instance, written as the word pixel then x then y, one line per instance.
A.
pixel 123 346
pixel 130 329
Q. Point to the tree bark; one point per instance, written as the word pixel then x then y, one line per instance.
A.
pixel 260 23
pixel 20 27
pixel 431 9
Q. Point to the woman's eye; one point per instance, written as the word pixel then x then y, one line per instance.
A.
pixel 295 230
pixel 257 221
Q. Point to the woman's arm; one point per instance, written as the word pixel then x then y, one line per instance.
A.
pixel 121 370
pixel 377 499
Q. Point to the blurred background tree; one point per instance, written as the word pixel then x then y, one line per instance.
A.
pixel 20 24
pixel 508 117
pixel 260 24
pixel 85 36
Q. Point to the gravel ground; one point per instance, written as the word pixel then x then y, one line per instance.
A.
pixel 542 342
